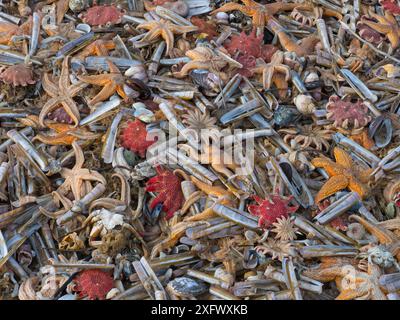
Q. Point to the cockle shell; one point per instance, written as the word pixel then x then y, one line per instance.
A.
pixel 304 104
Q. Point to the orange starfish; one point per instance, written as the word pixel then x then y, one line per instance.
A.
pixel 61 94
pixel 386 25
pixel 343 174
pixel 259 13
pixel 8 30
pixel 99 47
pixel 111 82
pixel 65 134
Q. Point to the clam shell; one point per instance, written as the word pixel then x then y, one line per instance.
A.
pixel 187 287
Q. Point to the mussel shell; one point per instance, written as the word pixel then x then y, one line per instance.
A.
pixel 284 116
pixel 390 281
pixel 381 131
pixel 187 287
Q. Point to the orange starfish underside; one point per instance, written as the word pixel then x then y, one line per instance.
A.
pixel 343 173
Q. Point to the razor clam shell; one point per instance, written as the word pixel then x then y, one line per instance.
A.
pixel 111 137
pixel 3 246
pixel 240 217
pixel 381 131
pixel 390 281
pixel 327 250
pixel 101 111
pixel 241 111
pixel 100 63
pixel 172 16
pixel 35 34
pixel 361 89
pixel 198 7
pixel 338 207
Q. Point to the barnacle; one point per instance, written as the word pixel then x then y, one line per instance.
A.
pixel 93 283
pixel 18 75
pixel 309 136
pixel 347 114
pixel 101 15
pixel 136 138
pixel 277 249
pixel 284 229
pixel 270 209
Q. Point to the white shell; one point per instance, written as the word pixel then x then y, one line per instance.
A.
pixel 222 16
pixel 142 113
pixel 3 246
pixel 311 77
pixel 304 104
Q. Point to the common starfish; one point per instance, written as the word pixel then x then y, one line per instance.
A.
pixel 259 13
pixel 165 29
pixel 386 25
pixel 112 82
pixel 78 178
pixel 352 283
pixel 99 47
pixel 61 94
pixel 269 71
pixel 202 58
pixel 65 134
pixel 343 174
pixel 384 235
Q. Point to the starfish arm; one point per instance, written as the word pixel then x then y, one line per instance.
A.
pixel 381 28
pixel 79 156
pixel 64 81
pixel 147 25
pixel 276 7
pixel 267 77
pixel 99 79
pixel 393 38
pixel 333 185
pixel 349 294
pixel 62 8
pixel 383 235
pixel 330 167
pixel 112 67
pixel 48 86
pixel 72 110
pixel 168 36
pixel 281 84
pixel 93 176
pixel 343 158
pixel 49 106
pixel 107 91
pixel 183 29
pixel 210 190
pixel 60 139
pixel 231 7
pixel 76 187
pixel 356 186
pixel 190 66
pixel 121 92
pixel 73 89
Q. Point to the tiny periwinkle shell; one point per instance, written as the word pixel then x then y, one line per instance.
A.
pixel 187 287
pixel 78 5
pixel 304 104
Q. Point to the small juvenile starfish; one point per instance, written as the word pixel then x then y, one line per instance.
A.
pixel 259 13
pixel 386 25
pixel 165 29
pixel 77 177
pixel 202 58
pixel 111 82
pixel 269 71
pixel 61 94
pixel 343 173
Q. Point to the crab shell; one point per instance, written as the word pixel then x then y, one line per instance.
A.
pixel 102 15
pixel 347 114
pixel 18 75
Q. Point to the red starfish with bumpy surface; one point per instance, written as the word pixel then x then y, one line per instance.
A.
pixel 168 187
pixel 135 137
pixel 269 210
pixel 93 283
pixel 391 6
pixel 250 45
